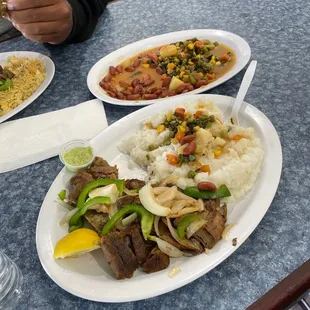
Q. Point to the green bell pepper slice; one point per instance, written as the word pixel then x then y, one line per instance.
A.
pixel 75 219
pixel 194 192
pixel 185 222
pixel 62 194
pixel 147 219
pixel 97 183
pixel 6 85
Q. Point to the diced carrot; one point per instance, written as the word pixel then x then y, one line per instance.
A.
pixel 172 159
pixel 209 76
pixel 225 57
pixel 180 111
pixel 179 135
pixel 237 137
pixel 198 113
pixel 163 76
pixel 171 65
pixel 205 168
pixel 198 44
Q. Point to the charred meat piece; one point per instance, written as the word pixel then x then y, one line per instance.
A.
pixel 212 231
pixel 137 242
pixel 156 261
pixel 119 255
pixel 134 184
pixel 5 74
pixel 96 219
pixel 79 181
pixel 101 169
pixel 127 200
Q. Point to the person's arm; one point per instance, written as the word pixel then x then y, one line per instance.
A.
pixel 55 21
pixel 85 17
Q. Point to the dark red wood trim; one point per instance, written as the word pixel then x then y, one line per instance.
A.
pixel 285 292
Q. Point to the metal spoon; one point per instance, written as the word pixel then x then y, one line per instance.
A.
pixel 239 103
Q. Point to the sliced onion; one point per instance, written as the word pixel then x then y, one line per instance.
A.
pixel 129 219
pixel 66 218
pixel 64 204
pixel 112 209
pixel 168 195
pixel 187 243
pixel 193 227
pixel 171 179
pixel 160 189
pixel 132 192
pixel 156 227
pixel 167 248
pixel 201 204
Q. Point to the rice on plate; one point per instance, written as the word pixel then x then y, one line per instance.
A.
pixel 192 144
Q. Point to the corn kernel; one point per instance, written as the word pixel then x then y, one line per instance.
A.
pixel 198 56
pixel 169 117
pixel 181 129
pixel 184 124
pixel 190 46
pixel 217 153
pixel 171 66
pixel 146 65
pixel 181 74
pixel 187 114
pixel 201 106
pixel 212 62
pixel 200 74
pixel 190 62
pixel 160 128
pixel 174 141
pixel 196 128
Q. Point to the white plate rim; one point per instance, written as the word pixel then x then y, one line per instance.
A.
pixel 49 77
pixel 93 76
pixel 277 154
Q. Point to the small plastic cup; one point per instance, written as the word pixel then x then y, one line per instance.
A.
pixel 71 145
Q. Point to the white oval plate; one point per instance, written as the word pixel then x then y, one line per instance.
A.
pixel 101 68
pixel 90 277
pixel 50 70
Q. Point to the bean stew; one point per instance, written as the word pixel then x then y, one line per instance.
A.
pixel 169 70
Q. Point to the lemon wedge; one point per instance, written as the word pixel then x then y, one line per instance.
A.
pixel 77 243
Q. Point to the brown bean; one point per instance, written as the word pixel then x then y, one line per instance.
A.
pixel 158 92
pixel 190 149
pixel 123 84
pixel 159 70
pixel 145 78
pixel 171 93
pixel 136 63
pixel 201 83
pixel 180 89
pixel 153 65
pixel 112 70
pixel 119 68
pixel 190 87
pixel 206 186
pixel 164 93
pixel 153 90
pixel 103 84
pixel 127 92
pixel 166 81
pixel 130 69
pixel 148 82
pixel 108 78
pixel 142 91
pixel 150 96
pixel 135 82
pixel 111 94
pixel 153 57
pixel 120 96
pixel 185 91
pixel 136 89
pixel 187 139
pixel 133 97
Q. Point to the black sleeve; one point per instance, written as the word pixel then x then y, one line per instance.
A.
pixel 85 17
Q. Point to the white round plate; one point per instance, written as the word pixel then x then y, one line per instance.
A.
pixel 90 276
pixel 101 68
pixel 50 70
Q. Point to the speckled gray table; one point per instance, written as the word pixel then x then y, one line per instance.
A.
pixel 278 33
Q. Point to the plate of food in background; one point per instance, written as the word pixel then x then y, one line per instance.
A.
pixel 177 63
pixel 157 199
pixel 24 76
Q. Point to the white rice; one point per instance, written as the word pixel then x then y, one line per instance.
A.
pixel 238 167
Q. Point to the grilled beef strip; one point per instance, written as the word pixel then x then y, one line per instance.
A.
pixel 96 219
pixel 134 184
pixel 156 261
pixel 119 255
